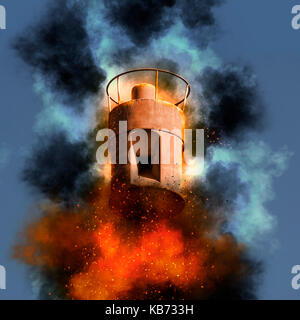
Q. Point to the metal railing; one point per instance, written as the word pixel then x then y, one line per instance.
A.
pixel 157 71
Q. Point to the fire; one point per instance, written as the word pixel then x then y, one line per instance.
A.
pixel 96 252
pixel 158 257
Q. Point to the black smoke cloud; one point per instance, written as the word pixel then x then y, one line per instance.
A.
pixel 144 20
pixel 59 168
pixel 141 20
pixel 199 18
pixel 231 103
pixel 198 14
pixel 58 48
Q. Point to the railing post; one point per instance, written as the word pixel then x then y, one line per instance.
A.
pixel 185 96
pixel 118 88
pixel 108 101
pixel 156 85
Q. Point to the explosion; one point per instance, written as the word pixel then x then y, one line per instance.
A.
pixel 82 244
pixel 98 253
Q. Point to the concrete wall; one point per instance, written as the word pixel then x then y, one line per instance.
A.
pixel 168 121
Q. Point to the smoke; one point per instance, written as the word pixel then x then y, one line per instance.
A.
pixel 143 20
pixel 146 23
pixel 59 168
pixel 142 252
pixel 231 105
pixel 140 20
pixel 251 221
pixel 219 196
pixel 58 48
pixel 199 14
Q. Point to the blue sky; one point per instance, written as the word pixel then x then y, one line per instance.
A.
pixel 255 32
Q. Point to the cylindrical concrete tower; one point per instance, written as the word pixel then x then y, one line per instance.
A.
pixel 148 172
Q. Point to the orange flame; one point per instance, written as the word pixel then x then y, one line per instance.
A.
pixel 100 254
pixel 158 257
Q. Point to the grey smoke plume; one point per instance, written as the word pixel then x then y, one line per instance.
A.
pixel 145 20
pixel 231 102
pixel 58 48
pixel 59 168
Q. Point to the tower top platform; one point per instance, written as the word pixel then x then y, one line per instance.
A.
pixel 148 83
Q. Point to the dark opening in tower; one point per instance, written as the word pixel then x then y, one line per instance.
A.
pixel 149 165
